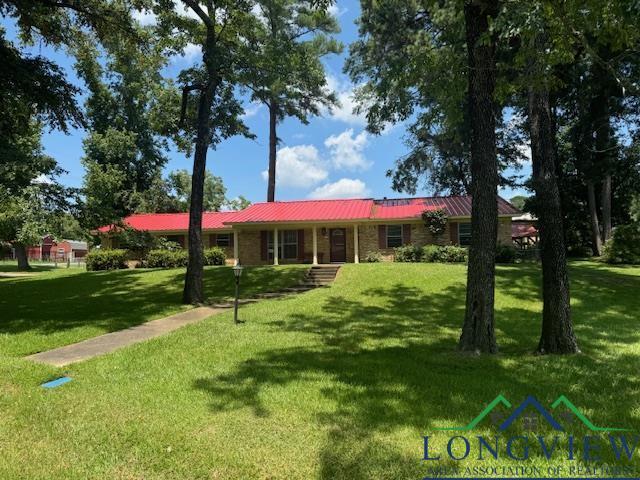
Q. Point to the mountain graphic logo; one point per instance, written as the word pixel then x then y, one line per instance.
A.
pixel 532 402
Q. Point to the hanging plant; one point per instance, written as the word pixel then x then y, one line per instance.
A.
pixel 435 221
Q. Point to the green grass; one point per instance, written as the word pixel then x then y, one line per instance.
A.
pixel 337 383
pixel 61 306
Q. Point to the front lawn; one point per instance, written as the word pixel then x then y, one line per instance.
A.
pixel 337 383
pixel 62 306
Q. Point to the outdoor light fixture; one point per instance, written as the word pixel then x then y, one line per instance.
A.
pixel 323 231
pixel 237 273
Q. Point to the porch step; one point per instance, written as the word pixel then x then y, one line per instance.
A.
pixel 320 276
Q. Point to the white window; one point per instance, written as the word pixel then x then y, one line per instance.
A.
pixel 464 234
pixel 223 240
pixel 394 236
pixel 287 244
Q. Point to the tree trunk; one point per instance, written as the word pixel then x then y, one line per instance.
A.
pixel 478 333
pixel 606 207
pixel 193 281
pixel 596 240
pixel 21 256
pixel 273 144
pixel 557 330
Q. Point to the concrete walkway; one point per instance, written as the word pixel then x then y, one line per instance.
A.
pixel 109 342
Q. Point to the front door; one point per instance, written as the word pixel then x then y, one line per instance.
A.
pixel 338 238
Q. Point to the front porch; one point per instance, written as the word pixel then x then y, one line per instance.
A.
pixel 311 244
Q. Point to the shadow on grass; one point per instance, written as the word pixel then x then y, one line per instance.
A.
pixel 392 366
pixel 117 299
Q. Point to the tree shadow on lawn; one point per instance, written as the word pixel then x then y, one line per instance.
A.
pixel 396 376
pixel 117 299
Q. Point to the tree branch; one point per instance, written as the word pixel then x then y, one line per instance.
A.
pixel 198 11
pixel 185 97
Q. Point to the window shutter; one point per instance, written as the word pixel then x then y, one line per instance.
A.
pixel 453 232
pixel 213 239
pixel 301 245
pixel 181 241
pixel 264 245
pixel 231 239
pixel 382 236
pixel 406 234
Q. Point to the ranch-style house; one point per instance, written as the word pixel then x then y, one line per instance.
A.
pixel 320 231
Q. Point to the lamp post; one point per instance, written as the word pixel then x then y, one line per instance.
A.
pixel 237 273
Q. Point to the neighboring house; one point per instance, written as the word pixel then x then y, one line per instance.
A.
pixel 524 231
pixel 321 231
pixel 49 249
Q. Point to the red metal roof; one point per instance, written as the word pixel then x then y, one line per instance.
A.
pixel 304 210
pixel 454 206
pixel 172 221
pixel 312 211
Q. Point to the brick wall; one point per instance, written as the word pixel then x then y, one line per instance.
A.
pixel 421 236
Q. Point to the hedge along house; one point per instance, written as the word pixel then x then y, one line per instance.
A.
pixel 174 227
pixel 322 231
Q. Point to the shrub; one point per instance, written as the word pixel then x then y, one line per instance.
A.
pixel 164 244
pixel 408 253
pixel 505 253
pixel 214 256
pixel 166 259
pixel 624 245
pixel 105 259
pixel 435 221
pixel 373 257
pixel 444 254
pixel 138 242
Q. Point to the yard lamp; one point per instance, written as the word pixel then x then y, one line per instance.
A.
pixel 237 273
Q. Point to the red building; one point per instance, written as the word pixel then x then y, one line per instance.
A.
pixel 60 251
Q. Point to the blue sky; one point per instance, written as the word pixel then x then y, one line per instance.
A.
pixel 332 157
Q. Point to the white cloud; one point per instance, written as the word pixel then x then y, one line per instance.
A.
pixel 343 188
pixel 145 17
pixel 525 151
pixel 344 112
pixel 337 11
pixel 252 110
pixel 347 151
pixel 299 166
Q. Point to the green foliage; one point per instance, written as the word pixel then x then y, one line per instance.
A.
pixel 214 256
pixel 286 72
pixel 164 244
pixel 106 259
pixel 435 221
pixel 373 257
pixel 444 254
pixel 624 245
pixel 238 203
pixel 411 64
pixel 505 253
pixel 214 190
pixel 634 209
pixel 166 259
pixel 407 253
pixel 519 202
pixel 138 242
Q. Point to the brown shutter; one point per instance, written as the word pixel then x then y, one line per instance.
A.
pixel 382 236
pixel 213 239
pixel 453 232
pixel 181 241
pixel 264 245
pixel 406 234
pixel 301 245
pixel 231 239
